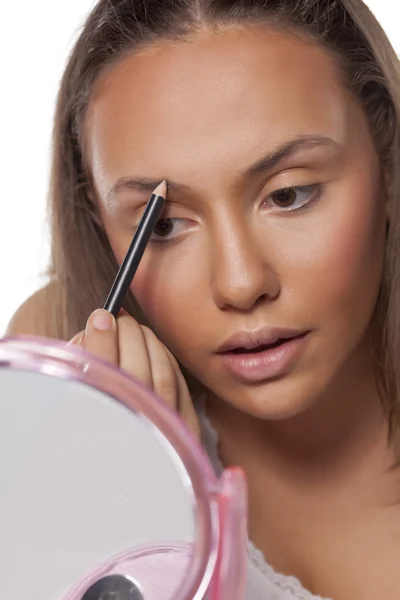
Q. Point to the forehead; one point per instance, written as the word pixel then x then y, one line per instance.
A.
pixel 228 95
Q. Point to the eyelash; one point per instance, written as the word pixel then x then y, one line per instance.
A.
pixel 314 192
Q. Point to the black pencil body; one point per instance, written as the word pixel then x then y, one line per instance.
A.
pixel 134 255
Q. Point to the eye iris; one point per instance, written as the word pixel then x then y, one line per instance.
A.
pixel 285 197
pixel 163 227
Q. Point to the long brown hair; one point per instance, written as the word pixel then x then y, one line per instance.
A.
pixel 83 265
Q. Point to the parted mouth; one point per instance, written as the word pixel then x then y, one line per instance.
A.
pixel 261 348
pixel 246 342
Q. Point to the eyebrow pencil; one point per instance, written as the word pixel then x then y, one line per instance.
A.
pixel 136 250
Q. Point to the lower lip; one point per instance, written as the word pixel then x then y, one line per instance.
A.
pixel 268 364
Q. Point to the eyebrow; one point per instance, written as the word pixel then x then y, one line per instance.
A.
pixel 265 164
pixel 285 151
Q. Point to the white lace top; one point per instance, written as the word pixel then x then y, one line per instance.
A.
pixel 263 582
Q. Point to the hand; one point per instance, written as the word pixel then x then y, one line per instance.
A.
pixel 137 350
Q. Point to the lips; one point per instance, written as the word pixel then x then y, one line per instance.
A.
pixel 262 355
pixel 246 342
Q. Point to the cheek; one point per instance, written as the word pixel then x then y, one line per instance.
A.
pixel 161 291
pixel 170 296
pixel 342 262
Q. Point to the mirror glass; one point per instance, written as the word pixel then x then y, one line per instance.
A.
pixel 83 478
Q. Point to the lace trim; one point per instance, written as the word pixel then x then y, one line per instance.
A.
pixel 285 583
pixel 282 582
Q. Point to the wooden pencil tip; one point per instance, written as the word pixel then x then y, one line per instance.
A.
pixel 161 190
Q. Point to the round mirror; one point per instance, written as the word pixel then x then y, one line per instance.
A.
pixel 83 478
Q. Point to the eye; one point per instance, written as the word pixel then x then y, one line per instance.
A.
pixel 293 198
pixel 167 229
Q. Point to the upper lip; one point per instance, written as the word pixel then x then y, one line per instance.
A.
pixel 259 337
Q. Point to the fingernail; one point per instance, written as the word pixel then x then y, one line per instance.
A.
pixel 102 320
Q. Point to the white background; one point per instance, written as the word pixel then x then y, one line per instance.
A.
pixel 34 43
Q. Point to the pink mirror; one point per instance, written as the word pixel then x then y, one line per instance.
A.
pixel 105 494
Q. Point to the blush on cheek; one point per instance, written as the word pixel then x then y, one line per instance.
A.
pixel 360 246
pixel 348 260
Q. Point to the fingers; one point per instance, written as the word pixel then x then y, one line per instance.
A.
pixel 167 380
pixel 137 350
pixel 101 336
pixel 185 401
pixel 165 383
pixel 133 351
pixel 169 383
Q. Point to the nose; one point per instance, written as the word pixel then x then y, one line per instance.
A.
pixel 242 273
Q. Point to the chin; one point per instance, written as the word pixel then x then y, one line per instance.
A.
pixel 275 408
pixel 274 400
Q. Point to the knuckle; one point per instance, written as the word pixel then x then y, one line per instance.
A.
pixel 166 388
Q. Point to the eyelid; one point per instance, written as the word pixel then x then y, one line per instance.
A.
pixel 295 177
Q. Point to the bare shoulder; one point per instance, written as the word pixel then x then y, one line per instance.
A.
pixel 33 317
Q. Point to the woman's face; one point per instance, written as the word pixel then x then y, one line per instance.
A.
pixel 275 223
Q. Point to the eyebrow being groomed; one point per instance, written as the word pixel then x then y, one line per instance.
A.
pixel 263 165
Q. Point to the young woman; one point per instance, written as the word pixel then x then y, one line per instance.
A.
pixel 272 279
